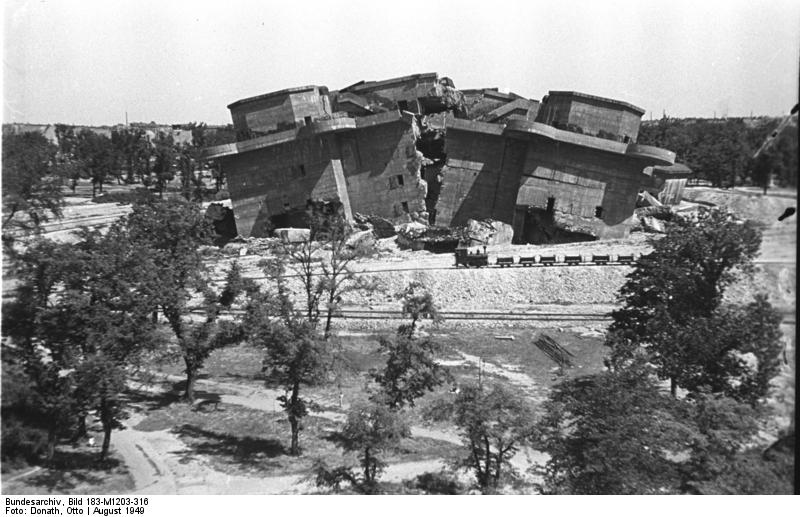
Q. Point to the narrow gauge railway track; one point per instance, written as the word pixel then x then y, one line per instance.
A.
pixel 366 314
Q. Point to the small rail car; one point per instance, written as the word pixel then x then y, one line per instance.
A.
pixel 573 260
pixel 625 259
pixel 505 261
pixel 601 259
pixel 527 261
pixel 547 260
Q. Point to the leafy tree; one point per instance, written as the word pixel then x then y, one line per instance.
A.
pixel 133 149
pixel 174 230
pixel 717 150
pixel 96 156
pixel 418 304
pixel 188 162
pixel 198 340
pixel 295 356
pixel 494 423
pixel 611 433
pixel 411 370
pixel 79 323
pixel 164 161
pixel 370 430
pixel 618 433
pixel 735 352
pixel 31 185
pixel 683 279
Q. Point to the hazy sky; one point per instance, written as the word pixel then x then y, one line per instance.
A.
pixel 87 62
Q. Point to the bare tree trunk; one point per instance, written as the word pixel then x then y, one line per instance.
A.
pixel 294 449
pixel 107 420
pixel 51 442
pixel 673 387
pixel 191 374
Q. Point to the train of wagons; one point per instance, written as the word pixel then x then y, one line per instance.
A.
pixel 468 258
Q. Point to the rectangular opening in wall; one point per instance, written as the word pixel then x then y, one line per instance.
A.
pixel 307 120
pixel 302 170
pixel 551 205
pixel 400 180
pixel 402 105
pixel 598 212
pixel 405 206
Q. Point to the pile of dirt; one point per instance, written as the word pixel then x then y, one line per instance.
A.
pixel 746 204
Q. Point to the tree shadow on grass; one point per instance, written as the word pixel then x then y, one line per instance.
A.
pixel 71 469
pixel 245 451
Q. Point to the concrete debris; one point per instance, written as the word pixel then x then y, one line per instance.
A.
pixel 651 224
pixel 362 239
pixel 489 232
pixel 292 235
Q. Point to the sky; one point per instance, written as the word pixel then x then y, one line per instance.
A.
pixel 89 62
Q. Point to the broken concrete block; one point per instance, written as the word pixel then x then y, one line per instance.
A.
pixel 382 227
pixel 292 235
pixel 362 239
pixel 489 232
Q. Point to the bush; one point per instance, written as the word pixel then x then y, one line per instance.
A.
pixel 222 194
pixel 21 444
pixel 440 483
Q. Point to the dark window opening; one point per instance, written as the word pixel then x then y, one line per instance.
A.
pixel 308 120
pixel 551 205
pixel 302 169
pixel 598 212
pixel 400 181
pixel 402 105
pixel 405 206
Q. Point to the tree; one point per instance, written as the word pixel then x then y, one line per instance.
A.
pixel 611 433
pixel 174 230
pixel 494 422
pixel 96 156
pixel 411 368
pixel 133 149
pixel 79 322
pixel 735 352
pixel 164 163
pixel 683 279
pixel 198 340
pixel 323 263
pixel 370 430
pixel 295 356
pixel 618 433
pixel 31 185
pixel 418 304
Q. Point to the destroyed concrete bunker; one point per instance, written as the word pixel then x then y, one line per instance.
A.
pixel 416 148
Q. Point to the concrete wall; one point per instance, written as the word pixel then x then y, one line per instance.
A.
pixel 271 112
pixel 360 167
pixel 580 180
pixel 472 172
pixel 593 115
pixel 374 157
pixel 278 179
